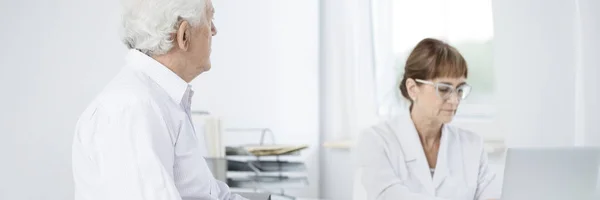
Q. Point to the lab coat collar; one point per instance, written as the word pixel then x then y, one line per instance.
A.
pixel 174 85
pixel 443 166
pixel 413 152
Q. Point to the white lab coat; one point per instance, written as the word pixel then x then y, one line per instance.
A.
pixel 394 167
pixel 136 140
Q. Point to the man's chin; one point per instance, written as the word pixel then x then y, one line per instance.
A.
pixel 446 119
pixel 206 67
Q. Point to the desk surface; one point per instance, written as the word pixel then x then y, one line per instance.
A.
pixel 255 196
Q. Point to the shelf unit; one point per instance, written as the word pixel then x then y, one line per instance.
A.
pixel 264 173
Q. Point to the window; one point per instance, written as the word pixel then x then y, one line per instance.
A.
pixel 465 24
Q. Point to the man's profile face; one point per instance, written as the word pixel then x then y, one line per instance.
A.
pixel 201 41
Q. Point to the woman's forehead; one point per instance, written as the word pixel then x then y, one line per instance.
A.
pixel 451 81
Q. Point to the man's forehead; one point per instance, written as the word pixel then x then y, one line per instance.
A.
pixel 211 8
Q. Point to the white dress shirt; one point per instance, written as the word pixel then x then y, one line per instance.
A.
pixel 136 140
pixel 394 166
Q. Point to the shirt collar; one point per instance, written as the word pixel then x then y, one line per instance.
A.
pixel 174 85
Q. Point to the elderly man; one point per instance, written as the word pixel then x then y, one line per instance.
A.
pixel 136 140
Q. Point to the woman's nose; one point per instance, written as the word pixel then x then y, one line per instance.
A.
pixel 453 98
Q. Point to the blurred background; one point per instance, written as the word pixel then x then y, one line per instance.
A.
pixel 313 72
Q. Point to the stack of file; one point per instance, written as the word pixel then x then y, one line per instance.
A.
pixel 267 182
pixel 264 166
pixel 265 150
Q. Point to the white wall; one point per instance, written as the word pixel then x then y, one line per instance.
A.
pixel 590 24
pixel 57 55
pixel 546 69
pixel 265 75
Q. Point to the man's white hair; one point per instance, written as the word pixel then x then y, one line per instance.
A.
pixel 148 25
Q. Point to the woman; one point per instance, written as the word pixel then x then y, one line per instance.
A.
pixel 417 155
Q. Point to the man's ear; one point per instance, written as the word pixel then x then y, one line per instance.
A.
pixel 183 35
pixel 412 89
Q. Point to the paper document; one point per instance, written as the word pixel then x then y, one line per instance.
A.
pixel 268 150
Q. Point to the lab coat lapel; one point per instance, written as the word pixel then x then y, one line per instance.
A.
pixel 413 151
pixel 442 168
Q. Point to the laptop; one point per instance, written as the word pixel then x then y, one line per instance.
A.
pixel 555 173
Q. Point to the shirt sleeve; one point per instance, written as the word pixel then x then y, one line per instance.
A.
pixel 133 154
pixel 225 193
pixel 378 177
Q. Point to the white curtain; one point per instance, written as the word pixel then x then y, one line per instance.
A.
pixel 348 99
pixel 389 100
pixel 347 75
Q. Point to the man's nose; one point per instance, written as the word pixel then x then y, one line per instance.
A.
pixel 213 29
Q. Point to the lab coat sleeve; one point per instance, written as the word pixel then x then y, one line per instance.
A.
pixel 225 193
pixel 487 183
pixel 134 154
pixel 378 177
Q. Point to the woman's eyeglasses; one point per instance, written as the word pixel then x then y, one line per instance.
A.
pixel 444 91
